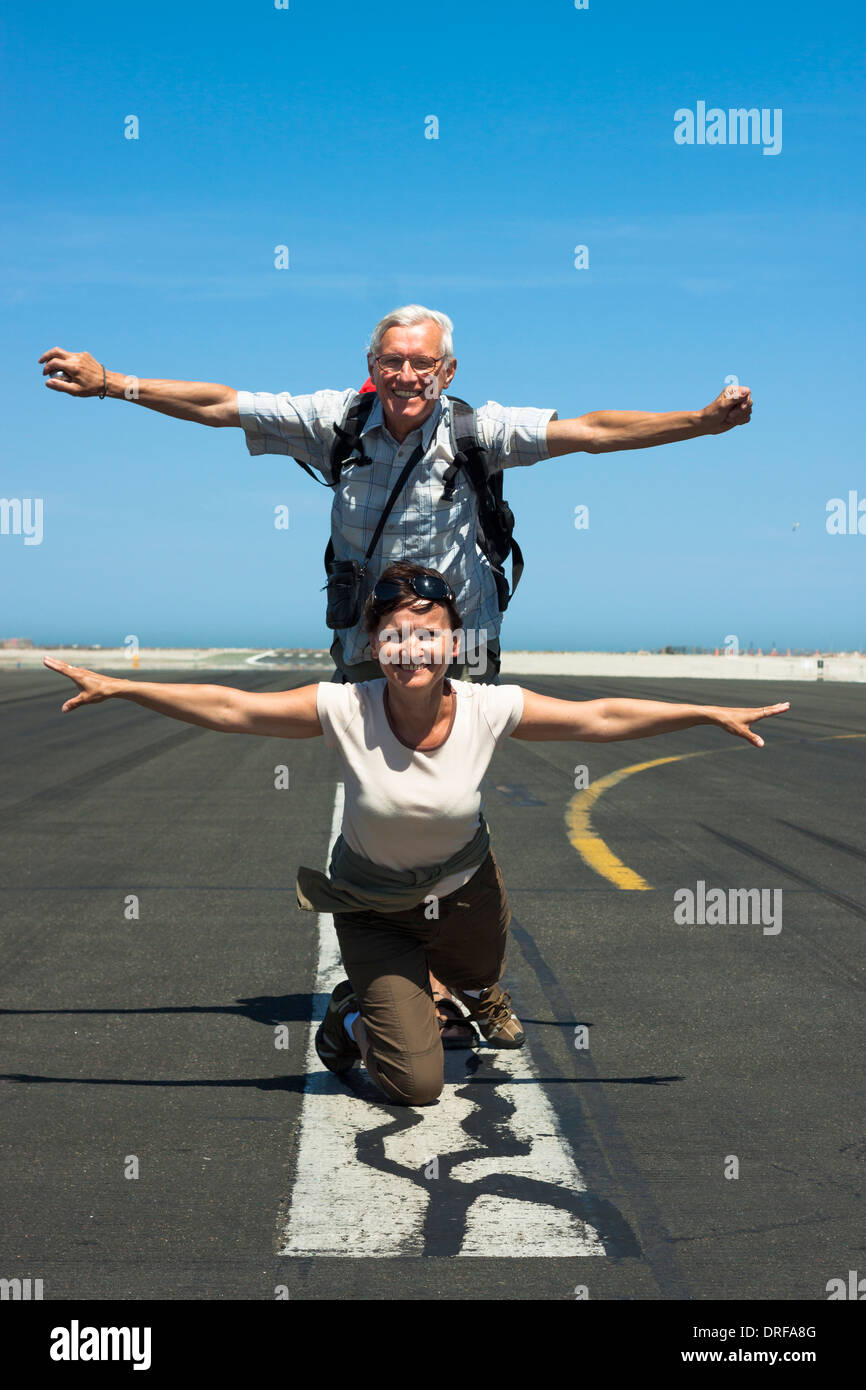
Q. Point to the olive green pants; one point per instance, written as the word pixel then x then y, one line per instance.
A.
pixel 388 957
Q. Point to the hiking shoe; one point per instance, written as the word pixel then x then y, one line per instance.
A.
pixel 455 1031
pixel 337 1051
pixel 493 1013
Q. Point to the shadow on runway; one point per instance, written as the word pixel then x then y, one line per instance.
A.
pixel 490 1130
pixel 362 1089
pixel 264 1008
pixel 269 1009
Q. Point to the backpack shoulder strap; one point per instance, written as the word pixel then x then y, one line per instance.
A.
pixel 347 436
pixel 469 452
pixel 463 416
pixel 464 426
pixel 315 477
pixel 495 518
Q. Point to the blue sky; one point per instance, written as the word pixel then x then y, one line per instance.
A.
pixel 305 127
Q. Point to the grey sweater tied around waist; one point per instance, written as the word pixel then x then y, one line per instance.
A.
pixel 356 884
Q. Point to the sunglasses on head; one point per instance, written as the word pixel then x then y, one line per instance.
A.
pixel 429 586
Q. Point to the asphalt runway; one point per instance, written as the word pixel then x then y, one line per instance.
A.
pixel 159 982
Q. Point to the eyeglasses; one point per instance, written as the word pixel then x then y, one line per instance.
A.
pixel 429 586
pixel 392 363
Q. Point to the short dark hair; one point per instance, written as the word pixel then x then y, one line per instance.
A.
pixel 401 572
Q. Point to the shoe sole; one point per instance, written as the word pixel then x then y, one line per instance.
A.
pixel 466 1038
pixel 507 1043
pixel 329 1062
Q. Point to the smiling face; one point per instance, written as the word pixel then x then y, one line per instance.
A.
pixel 415 648
pixel 409 397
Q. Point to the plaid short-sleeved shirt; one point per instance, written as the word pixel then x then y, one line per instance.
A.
pixel 422 527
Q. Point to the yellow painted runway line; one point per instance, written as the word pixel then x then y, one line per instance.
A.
pixel 592 848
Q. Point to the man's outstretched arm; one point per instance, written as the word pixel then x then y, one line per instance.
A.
pixel 204 402
pixel 606 430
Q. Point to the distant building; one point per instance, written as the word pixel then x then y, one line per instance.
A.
pixel 16 642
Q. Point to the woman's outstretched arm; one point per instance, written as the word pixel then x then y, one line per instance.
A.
pixel 605 721
pixel 277 714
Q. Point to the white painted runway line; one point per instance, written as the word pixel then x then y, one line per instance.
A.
pixel 366 1183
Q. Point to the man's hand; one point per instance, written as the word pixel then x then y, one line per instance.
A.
pixel 733 406
pixel 83 371
pixel 202 402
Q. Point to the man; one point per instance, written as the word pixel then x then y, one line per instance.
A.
pixel 411 364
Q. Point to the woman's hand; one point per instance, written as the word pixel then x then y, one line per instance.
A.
pixel 739 721
pixel 92 685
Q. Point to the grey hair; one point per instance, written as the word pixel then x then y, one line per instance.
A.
pixel 409 315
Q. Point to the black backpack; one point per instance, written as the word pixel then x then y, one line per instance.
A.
pixel 495 529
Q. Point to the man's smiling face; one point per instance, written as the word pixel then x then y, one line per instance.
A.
pixel 408 396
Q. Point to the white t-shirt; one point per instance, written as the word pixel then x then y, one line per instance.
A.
pixel 405 808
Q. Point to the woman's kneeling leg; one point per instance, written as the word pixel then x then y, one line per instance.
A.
pixel 388 972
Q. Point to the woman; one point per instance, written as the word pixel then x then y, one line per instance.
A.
pixel 413 883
